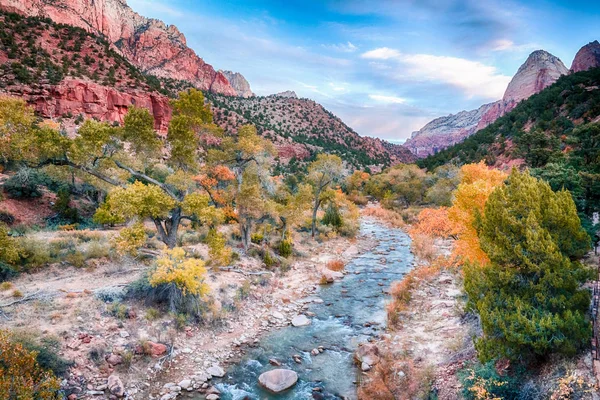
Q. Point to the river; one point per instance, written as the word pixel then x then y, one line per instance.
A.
pixel 352 311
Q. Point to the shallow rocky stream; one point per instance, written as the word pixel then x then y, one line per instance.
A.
pixel 346 313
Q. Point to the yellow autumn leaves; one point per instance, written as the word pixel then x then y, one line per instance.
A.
pixel 187 274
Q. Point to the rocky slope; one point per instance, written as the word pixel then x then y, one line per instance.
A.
pixel 149 44
pixel 587 57
pixel 65 72
pixel 301 128
pixel 239 83
pixel 540 70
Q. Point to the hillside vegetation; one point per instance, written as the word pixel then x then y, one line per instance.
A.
pixel 36 51
pixel 555 132
pixel 305 128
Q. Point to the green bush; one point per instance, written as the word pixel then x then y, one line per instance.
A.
pixel 257 238
pixel 168 296
pixel 529 296
pixel 332 216
pixel 285 248
pixel 25 184
pixel 65 213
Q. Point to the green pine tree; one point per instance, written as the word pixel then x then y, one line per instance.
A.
pixel 529 297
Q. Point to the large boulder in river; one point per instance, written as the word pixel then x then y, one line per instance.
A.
pixel 328 276
pixel 300 320
pixel 278 380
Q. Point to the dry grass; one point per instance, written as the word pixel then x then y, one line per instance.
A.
pixel 397 377
pixel 401 291
pixel 388 216
pixel 17 294
pixel 336 265
pixel 423 246
pixel 4 286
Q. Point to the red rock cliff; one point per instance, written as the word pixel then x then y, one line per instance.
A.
pixel 147 43
pixel 72 97
pixel 587 57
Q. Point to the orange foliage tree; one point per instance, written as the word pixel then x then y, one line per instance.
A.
pixel 20 375
pixel 477 183
pixel 433 222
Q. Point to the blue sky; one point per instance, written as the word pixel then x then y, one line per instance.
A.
pixel 386 67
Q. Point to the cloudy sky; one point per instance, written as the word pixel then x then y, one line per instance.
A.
pixel 386 67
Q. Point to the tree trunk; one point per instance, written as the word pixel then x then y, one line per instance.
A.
pixel 168 232
pixel 314 216
pixel 245 229
pixel 283 227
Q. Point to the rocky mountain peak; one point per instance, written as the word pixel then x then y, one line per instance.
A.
pixel 587 57
pixel 288 94
pixel 149 44
pixel 540 70
pixel 239 83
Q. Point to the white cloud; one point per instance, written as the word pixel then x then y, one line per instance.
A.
pixel 382 53
pixel 472 77
pixel 342 47
pixel 502 45
pixel 145 7
pixel 509 45
pixel 387 99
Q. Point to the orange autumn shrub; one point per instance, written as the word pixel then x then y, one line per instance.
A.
pixel 478 181
pixel 20 375
pixel 433 222
pixel 336 265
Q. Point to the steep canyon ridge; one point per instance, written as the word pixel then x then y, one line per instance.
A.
pixel 540 70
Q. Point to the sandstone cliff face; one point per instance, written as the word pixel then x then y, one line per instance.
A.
pixel 73 97
pixel 147 43
pixel 540 70
pixel 446 131
pixel 587 57
pixel 239 83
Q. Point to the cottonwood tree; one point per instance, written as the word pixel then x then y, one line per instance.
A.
pixel 323 173
pixel 530 296
pixel 125 160
pixel 250 157
pixel 292 206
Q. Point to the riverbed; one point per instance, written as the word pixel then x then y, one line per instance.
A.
pixel 342 315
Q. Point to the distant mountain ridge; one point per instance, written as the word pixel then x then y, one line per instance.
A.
pixel 302 128
pixel 540 70
pixel 147 43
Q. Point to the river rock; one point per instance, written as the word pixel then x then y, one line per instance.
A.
pixel 115 386
pixel 330 276
pixel 367 353
pixel 186 384
pixel 300 320
pixel 212 396
pixel 277 315
pixel 278 380
pixel 217 371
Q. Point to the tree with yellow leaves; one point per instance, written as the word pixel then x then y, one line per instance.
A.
pixel 123 160
pixel 477 183
pixel 323 173
pixel 179 276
